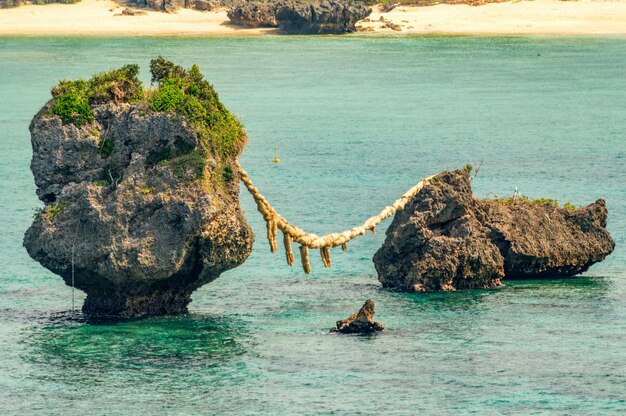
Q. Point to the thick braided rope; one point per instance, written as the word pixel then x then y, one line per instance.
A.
pixel 307 241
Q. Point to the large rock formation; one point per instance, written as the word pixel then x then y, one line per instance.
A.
pixel 141 194
pixel 253 14
pixel 294 16
pixel 361 322
pixel 325 17
pixel 444 239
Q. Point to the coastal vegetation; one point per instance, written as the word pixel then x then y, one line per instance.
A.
pixel 50 212
pixel 73 100
pixel 525 200
pixel 187 93
pixel 177 91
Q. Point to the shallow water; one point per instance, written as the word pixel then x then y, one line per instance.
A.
pixel 357 122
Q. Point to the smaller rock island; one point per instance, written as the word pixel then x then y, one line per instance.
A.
pixel 361 322
pixel 445 239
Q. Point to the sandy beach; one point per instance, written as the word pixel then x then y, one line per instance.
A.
pixel 104 17
pixel 538 17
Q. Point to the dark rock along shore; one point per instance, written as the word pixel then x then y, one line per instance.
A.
pixel 445 239
pixel 145 206
pixel 325 17
pixel 290 16
pixel 293 16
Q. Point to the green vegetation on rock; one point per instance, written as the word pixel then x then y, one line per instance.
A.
pixel 106 148
pixel 100 183
pixel 539 201
pixel 169 97
pixel 117 86
pixel 181 92
pixel 73 100
pixel 187 93
pixel 228 174
pixel 569 207
pixel 191 165
pixel 50 212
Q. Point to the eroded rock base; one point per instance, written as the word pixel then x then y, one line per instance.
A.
pixel 137 305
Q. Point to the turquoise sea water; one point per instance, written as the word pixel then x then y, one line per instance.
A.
pixel 357 122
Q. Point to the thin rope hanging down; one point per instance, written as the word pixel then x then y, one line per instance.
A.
pixel 291 233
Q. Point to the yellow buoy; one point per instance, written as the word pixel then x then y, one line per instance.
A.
pixel 276 159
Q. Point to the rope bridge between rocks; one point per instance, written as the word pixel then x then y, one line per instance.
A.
pixel 291 233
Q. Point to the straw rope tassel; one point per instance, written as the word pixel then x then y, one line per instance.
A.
pixel 288 250
pixel 325 254
pixel 306 240
pixel 304 257
pixel 271 234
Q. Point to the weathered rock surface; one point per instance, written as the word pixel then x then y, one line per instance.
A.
pixel 547 241
pixel 361 322
pixel 293 16
pixel 145 220
pixel 253 14
pixel 444 239
pixel 172 5
pixel 325 17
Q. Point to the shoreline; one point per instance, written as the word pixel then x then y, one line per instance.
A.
pixel 587 18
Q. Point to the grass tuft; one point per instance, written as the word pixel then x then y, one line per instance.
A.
pixel 50 212
pixel 539 201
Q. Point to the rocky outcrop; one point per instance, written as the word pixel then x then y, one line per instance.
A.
pixel 325 17
pixel 172 5
pixel 543 240
pixel 436 243
pixel 361 322
pixel 253 14
pixel 444 239
pixel 293 16
pixel 140 209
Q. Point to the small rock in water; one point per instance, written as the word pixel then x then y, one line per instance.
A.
pixel 361 322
